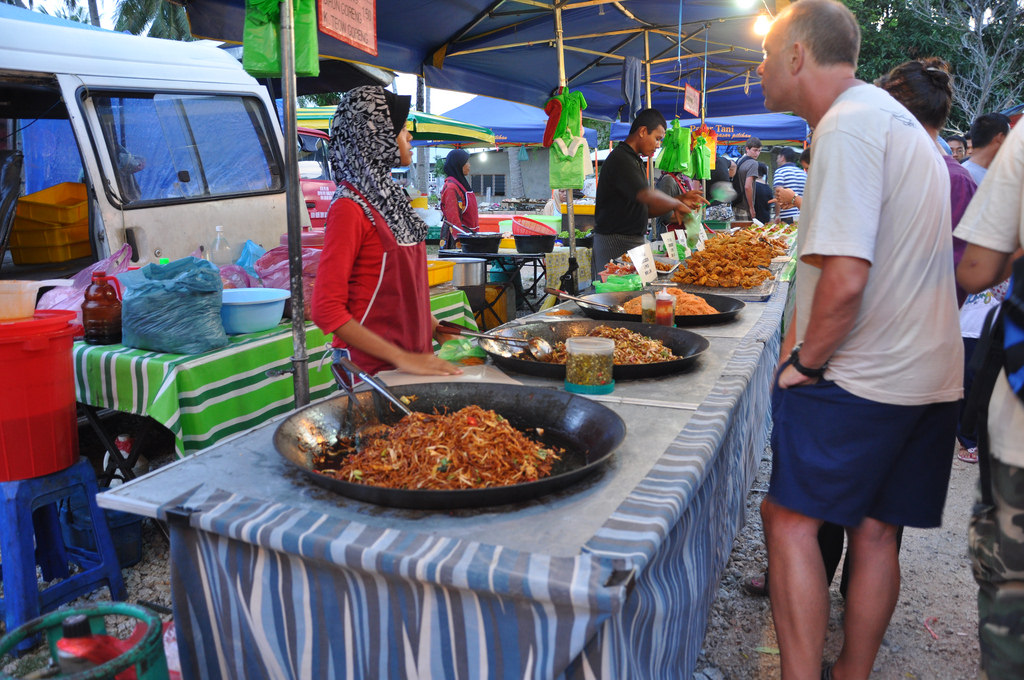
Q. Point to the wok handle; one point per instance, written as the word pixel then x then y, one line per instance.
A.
pixel 456 329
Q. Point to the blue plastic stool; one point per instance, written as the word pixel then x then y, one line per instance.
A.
pixel 30 534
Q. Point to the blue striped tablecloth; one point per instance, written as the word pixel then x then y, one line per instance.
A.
pixel 203 398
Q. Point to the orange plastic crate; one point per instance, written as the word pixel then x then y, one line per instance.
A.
pixel 66 203
pixel 50 254
pixel 31 234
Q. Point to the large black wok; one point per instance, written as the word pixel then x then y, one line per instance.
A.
pixel 727 308
pixel 684 344
pixel 588 432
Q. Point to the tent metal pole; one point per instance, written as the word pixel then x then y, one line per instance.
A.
pixel 568 280
pixel 300 360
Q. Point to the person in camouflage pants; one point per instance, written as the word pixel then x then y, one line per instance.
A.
pixel 997 555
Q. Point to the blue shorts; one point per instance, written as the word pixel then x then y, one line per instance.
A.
pixel 840 458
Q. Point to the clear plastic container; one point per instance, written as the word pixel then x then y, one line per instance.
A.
pixel 589 364
pixel 220 250
pixel 647 308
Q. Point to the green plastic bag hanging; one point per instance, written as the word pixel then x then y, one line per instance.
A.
pixel 700 162
pixel 675 156
pixel 261 55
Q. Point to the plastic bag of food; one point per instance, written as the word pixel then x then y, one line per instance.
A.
pixel 72 297
pixel 233 276
pixel 273 270
pixel 462 351
pixel 173 307
pixel 617 283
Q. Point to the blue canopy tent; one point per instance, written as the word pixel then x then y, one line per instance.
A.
pixel 768 127
pixel 512 123
pixel 510 50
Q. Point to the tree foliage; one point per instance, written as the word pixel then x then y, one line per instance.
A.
pixel 154 18
pixel 985 56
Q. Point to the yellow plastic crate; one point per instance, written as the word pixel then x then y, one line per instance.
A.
pixel 66 203
pixel 50 254
pixel 439 272
pixel 31 234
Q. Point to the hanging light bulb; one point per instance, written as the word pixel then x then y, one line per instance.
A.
pixel 762 24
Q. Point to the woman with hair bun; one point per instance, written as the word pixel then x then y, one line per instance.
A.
pixel 925 87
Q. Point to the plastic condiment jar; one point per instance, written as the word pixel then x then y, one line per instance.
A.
pixel 665 309
pixel 589 364
pixel 101 310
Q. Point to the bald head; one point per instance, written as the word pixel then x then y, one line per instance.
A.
pixel 827 29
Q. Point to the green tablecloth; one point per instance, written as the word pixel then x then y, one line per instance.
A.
pixel 203 398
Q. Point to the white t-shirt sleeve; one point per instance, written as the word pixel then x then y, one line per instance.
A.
pixel 995 217
pixel 847 174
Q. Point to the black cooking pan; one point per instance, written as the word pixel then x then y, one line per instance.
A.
pixel 684 344
pixel 588 432
pixel 727 308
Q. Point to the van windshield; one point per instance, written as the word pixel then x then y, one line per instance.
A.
pixel 168 147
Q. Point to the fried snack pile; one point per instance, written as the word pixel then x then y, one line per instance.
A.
pixel 630 347
pixel 658 264
pixel 739 260
pixel 686 304
pixel 473 448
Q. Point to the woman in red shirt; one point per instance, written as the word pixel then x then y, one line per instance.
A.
pixel 458 202
pixel 371 290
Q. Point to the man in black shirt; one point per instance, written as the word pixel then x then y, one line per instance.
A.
pixel 624 195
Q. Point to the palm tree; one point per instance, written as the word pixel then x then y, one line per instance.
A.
pixel 155 18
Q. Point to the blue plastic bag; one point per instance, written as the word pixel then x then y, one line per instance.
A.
pixel 173 307
pixel 251 252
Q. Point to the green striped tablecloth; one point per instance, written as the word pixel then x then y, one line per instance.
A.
pixel 203 398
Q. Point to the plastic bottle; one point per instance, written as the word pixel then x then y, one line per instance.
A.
pixel 220 251
pixel 101 311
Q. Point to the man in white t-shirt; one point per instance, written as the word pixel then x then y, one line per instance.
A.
pixel 993 227
pixel 864 409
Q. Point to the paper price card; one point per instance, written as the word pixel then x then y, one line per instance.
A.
pixel 682 240
pixel 643 259
pixel 702 236
pixel 670 245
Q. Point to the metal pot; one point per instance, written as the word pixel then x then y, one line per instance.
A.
pixel 469 271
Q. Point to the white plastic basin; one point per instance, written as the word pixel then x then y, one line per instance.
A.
pixel 248 310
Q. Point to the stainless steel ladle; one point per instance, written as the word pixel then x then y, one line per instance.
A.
pixel 618 309
pixel 539 348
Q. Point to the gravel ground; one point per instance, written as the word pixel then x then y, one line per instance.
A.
pixel 937 588
pixel 739 642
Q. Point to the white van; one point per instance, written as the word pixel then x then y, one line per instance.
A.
pixel 168 138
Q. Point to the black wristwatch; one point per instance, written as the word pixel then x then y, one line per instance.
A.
pixel 794 361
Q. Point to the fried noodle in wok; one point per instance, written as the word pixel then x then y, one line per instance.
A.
pixel 473 448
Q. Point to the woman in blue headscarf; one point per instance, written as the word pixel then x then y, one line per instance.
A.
pixel 371 290
pixel 458 202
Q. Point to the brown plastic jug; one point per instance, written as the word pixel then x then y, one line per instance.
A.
pixel 101 311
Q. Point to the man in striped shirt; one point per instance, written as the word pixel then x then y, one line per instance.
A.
pixel 788 174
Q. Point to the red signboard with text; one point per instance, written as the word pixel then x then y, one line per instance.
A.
pixel 351 21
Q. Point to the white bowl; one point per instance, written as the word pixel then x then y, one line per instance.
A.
pixel 248 310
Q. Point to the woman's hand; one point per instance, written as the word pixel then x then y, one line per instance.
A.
pixel 425 364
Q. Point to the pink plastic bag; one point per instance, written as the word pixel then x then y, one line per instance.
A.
pixel 72 297
pixel 273 270
pixel 233 276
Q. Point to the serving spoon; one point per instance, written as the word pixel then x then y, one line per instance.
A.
pixel 540 348
pixel 618 309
